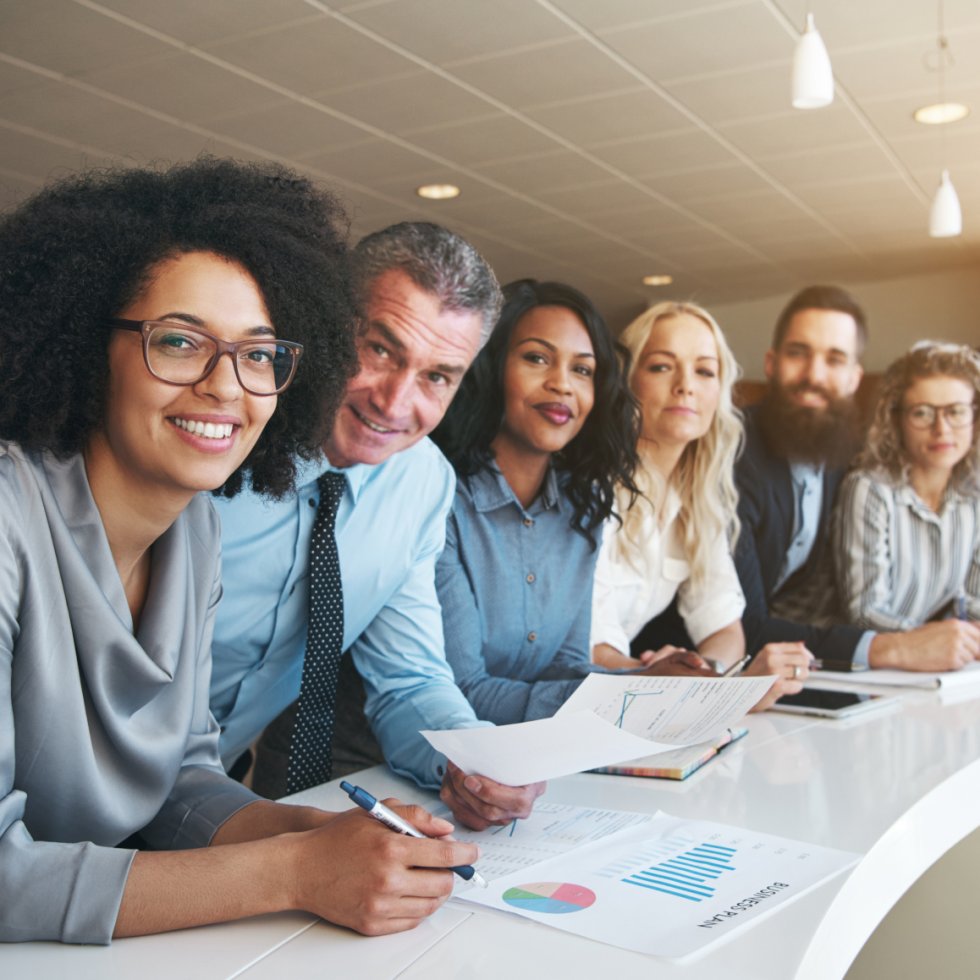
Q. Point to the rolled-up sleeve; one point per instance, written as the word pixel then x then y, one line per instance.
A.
pixel 714 601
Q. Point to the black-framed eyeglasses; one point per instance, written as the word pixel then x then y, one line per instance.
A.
pixel 923 416
pixel 180 354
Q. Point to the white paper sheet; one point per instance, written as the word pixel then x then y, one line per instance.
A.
pixel 551 830
pixel 964 677
pixel 674 710
pixel 531 751
pixel 610 718
pixel 671 888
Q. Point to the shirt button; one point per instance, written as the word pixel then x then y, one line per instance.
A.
pixel 530 577
pixel 311 502
pixel 528 522
pixel 532 636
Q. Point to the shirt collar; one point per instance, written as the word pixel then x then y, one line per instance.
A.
pixel 309 471
pixel 490 490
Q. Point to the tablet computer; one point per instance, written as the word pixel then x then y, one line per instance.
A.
pixel 831 704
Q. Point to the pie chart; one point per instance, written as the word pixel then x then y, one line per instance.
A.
pixel 550 897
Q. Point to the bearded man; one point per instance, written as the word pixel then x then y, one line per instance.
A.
pixel 798 441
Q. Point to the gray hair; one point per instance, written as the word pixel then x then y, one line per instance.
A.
pixel 436 260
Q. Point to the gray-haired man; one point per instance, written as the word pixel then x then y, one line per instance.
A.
pixel 429 302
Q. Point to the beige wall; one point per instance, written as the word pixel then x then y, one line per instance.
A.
pixel 942 306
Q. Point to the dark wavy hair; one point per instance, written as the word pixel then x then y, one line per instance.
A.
pixel 79 251
pixel 601 456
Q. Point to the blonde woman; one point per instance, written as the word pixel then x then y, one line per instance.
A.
pixel 676 539
pixel 907 524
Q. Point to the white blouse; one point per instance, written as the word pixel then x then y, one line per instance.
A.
pixel 625 599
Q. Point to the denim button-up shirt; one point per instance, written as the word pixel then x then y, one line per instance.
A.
pixel 515 587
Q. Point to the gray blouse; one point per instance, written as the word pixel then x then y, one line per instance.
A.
pixel 102 733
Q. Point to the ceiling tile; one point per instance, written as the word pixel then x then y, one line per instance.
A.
pixel 183 86
pixel 613 116
pixel 858 160
pixel 67 38
pixel 372 162
pixel 880 71
pixel 443 31
pixel 397 106
pixel 719 97
pixel 202 23
pixel 716 37
pixel 689 184
pixel 563 71
pixel 314 57
pixel 597 199
pixel 795 131
pixel 617 13
pixel 729 209
pixel 488 138
pixel 664 153
pixel 560 168
pixel 290 129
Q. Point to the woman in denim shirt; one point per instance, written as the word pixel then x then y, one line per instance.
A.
pixel 543 429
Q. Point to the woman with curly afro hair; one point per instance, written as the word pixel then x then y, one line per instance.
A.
pixel 120 294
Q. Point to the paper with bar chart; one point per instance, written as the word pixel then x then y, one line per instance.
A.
pixel 670 888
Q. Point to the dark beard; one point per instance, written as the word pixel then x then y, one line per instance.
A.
pixel 809 435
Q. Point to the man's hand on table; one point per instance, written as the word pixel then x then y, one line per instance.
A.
pixel 480 802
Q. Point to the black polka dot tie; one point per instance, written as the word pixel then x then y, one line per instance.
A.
pixel 310 760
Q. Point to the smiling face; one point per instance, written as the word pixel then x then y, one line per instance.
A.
pixel 412 355
pixel 939 447
pixel 549 383
pixel 817 360
pixel 159 438
pixel 676 380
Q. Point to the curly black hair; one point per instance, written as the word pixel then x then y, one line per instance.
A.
pixel 79 251
pixel 600 457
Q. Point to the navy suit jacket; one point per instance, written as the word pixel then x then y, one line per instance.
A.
pixel 765 507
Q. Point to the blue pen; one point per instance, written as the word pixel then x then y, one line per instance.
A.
pixel 394 822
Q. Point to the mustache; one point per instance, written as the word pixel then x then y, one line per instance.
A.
pixel 804 387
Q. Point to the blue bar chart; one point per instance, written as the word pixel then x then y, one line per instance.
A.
pixel 689 875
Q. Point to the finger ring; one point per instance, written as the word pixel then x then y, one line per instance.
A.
pixel 796 672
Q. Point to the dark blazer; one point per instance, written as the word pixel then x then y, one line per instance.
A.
pixel 765 508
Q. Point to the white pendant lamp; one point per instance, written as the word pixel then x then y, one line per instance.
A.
pixel 945 217
pixel 813 78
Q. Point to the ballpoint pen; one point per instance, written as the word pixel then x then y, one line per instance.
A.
pixel 392 821
pixel 736 668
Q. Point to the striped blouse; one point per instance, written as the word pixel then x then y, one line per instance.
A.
pixel 900 564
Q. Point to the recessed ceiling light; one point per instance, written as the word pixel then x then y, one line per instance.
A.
pixel 438 192
pixel 657 280
pixel 940 113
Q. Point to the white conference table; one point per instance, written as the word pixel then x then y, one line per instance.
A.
pixel 900 787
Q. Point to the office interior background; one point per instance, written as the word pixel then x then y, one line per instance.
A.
pixel 596 142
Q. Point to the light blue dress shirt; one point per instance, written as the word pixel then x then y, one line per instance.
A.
pixel 515 587
pixel 390 529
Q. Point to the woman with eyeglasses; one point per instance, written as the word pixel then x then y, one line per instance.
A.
pixel 161 334
pixel 907 523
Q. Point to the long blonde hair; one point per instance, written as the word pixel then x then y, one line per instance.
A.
pixel 704 477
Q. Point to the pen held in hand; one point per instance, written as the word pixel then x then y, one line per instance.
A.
pixel 392 821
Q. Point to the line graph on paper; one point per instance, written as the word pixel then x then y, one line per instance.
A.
pixel 628 698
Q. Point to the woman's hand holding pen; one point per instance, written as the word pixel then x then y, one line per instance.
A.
pixel 675 661
pixel 790 662
pixel 355 872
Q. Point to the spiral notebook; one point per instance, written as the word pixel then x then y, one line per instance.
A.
pixel 678 763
